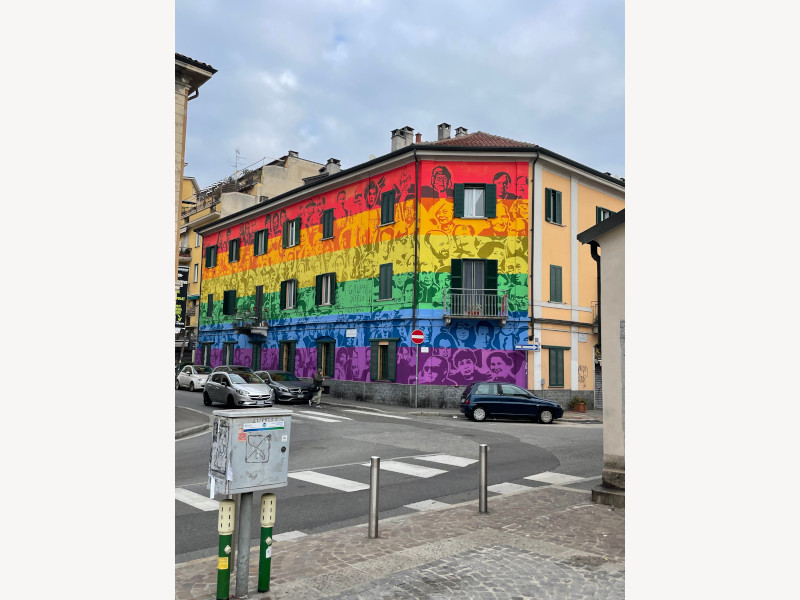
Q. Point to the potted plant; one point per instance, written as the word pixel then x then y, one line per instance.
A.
pixel 578 404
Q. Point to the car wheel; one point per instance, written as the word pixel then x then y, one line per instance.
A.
pixel 231 403
pixel 479 414
pixel 206 399
pixel 191 386
pixel 177 384
pixel 546 416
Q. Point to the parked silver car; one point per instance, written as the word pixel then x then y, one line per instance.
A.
pixel 193 377
pixel 237 389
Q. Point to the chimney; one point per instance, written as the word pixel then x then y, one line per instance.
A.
pixel 293 154
pixel 444 132
pixel 461 131
pixel 402 137
pixel 418 139
pixel 334 166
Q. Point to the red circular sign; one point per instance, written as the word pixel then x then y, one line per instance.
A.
pixel 417 336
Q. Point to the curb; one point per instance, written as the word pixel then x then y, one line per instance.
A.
pixel 195 429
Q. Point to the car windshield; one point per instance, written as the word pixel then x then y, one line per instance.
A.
pixel 203 370
pixel 283 376
pixel 245 378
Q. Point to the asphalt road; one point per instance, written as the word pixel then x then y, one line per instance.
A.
pixel 341 446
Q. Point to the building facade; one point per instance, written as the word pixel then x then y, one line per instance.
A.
pixel 456 237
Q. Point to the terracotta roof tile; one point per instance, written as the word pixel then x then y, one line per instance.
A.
pixel 479 139
pixel 196 63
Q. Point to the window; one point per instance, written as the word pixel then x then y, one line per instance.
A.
pixel 196 272
pixel 385 282
pixel 211 257
pixel 473 287
pixel 260 243
pixel 326 289
pixel 475 200
pixel 259 307
pixel 327 224
pixel 229 303
pixel 210 306
pixel 326 351
pixel 227 353
pixel 233 250
pixel 387 207
pixel 286 360
pixel 383 360
pixel 291 233
pixel 205 354
pixel 552 206
pixel 556 366
pixel 603 213
pixel 289 294
pixel 197 239
pixel 555 284
pixel 256 362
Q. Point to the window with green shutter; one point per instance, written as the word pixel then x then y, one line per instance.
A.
pixel 475 200
pixel 387 207
pixel 555 284
pixel 325 293
pixel 291 233
pixel 229 302
pixel 227 353
pixel 383 360
pixel 260 243
pixel 259 307
pixel 287 353
pixel 326 351
pixel 211 257
pixel 603 213
pixel 233 250
pixel 552 206
pixel 288 294
pixel 210 306
pixel 385 282
pixel 256 358
pixel 556 366
pixel 327 224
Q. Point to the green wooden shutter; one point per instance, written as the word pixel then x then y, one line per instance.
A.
pixel 210 306
pixel 319 356
pixel 285 234
pixel 598 214
pixel 294 293
pixel 283 295
pixel 490 275
pixel 391 201
pixel 555 283
pixel 490 201
pixel 458 200
pixel 259 301
pixel 391 351
pixel 333 288
pixel 548 204
pixel 557 208
pixel 373 361
pixel 290 366
pixel 318 291
pixel 297 232
pixel 456 273
pixel 331 366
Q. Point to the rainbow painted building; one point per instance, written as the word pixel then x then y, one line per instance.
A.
pixel 435 236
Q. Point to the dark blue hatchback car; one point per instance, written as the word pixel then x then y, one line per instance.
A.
pixel 484 399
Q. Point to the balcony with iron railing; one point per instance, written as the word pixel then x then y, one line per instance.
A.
pixel 250 321
pixel 461 303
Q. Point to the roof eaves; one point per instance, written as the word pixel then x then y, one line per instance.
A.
pixel 602 227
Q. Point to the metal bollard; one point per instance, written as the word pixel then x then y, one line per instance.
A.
pixel 374 482
pixel 265 553
pixel 243 545
pixel 483 450
pixel 225 527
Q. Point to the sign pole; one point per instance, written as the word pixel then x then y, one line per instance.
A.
pixel 416 379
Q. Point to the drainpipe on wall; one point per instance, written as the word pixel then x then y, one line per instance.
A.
pixel 533 245
pixel 596 257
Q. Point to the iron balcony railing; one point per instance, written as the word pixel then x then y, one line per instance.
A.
pixel 246 320
pixel 462 303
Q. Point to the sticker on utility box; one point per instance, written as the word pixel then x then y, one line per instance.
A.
pixel 263 426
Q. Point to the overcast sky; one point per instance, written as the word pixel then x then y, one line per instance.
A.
pixel 333 78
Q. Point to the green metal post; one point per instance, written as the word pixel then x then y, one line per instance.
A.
pixel 265 548
pixel 225 529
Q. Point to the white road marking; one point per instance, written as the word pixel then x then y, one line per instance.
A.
pixel 318 418
pixel 407 469
pixel 554 478
pixel 427 505
pixel 289 535
pixel 316 414
pixel 196 500
pixel 508 488
pixel 446 459
pixel 376 414
pixel 337 483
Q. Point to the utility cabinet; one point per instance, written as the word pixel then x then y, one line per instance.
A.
pixel 249 450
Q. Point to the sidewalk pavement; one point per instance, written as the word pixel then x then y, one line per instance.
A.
pixel 549 541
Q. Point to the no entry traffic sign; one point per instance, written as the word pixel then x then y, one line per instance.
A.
pixel 417 336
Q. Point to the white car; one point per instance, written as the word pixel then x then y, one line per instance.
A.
pixel 237 389
pixel 193 377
